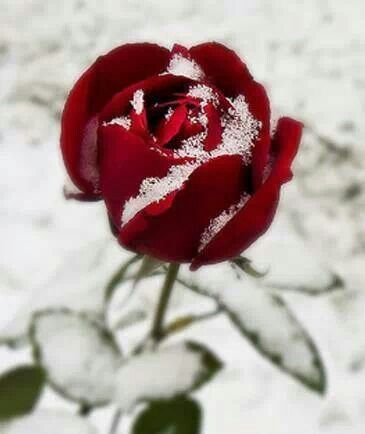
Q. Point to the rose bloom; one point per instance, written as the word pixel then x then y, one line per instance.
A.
pixel 181 147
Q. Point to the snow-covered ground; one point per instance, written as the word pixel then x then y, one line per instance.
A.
pixel 311 56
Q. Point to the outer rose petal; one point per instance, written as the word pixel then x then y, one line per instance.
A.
pixel 226 70
pixel 108 75
pixel 174 234
pixel 256 216
pixel 125 161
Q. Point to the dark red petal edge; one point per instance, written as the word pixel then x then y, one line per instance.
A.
pixel 108 75
pixel 256 216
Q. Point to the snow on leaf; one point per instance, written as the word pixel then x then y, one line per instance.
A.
pixel 164 373
pixel 78 284
pixel 46 422
pixel 297 267
pixel 79 356
pixel 265 320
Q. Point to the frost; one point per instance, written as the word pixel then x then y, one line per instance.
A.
pixel 240 130
pixel 163 374
pixel 180 65
pixel 48 421
pixel 80 359
pixel 123 121
pixel 138 101
pixel 156 189
pixel 204 93
pixel 218 223
pixel 169 113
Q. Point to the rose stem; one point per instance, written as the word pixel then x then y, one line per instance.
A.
pixel 166 291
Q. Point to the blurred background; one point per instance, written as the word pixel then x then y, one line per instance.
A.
pixel 310 54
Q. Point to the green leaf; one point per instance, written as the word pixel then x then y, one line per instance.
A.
pixel 20 390
pixel 245 265
pixel 118 277
pixel 148 267
pixel 181 415
pixel 78 354
pixel 164 373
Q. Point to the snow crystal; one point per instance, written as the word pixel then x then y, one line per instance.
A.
pixel 138 101
pixel 158 375
pixel 123 121
pixel 49 421
pixel 156 189
pixel 78 358
pixel 218 223
pixel 169 113
pixel 205 93
pixel 180 65
pixel 240 129
pixel 201 118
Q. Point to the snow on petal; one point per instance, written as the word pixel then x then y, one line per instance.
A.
pixel 205 93
pixel 180 65
pixel 156 189
pixel 123 121
pixel 138 101
pixel 218 223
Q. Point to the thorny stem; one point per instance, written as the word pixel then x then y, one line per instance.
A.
pixel 157 332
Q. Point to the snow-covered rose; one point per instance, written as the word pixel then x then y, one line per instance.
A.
pixel 179 146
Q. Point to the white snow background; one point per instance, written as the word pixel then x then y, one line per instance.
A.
pixel 311 56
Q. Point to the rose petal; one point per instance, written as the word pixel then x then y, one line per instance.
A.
pixel 168 128
pixel 156 89
pixel 214 128
pixel 125 161
pixel 174 234
pixel 107 76
pixel 227 71
pixel 256 216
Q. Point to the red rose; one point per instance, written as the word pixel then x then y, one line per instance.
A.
pixel 178 145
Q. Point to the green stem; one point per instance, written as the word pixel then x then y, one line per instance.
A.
pixel 166 291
